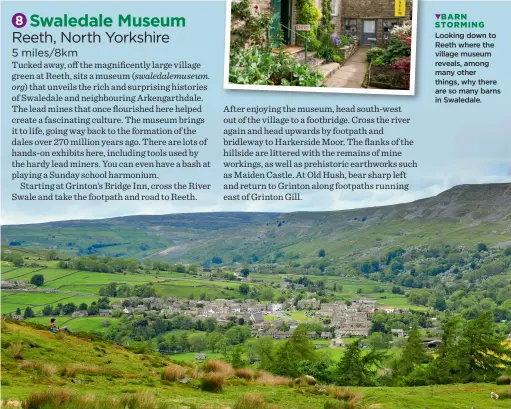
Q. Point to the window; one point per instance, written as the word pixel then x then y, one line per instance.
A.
pixel 369 26
pixel 335 7
pixel 350 27
pixel 387 29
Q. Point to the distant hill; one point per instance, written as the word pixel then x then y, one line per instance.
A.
pixel 464 214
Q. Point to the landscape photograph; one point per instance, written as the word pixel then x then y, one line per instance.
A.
pixel 406 306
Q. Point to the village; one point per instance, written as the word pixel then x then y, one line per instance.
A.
pixel 266 319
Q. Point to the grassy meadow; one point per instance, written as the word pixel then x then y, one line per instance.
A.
pixel 81 366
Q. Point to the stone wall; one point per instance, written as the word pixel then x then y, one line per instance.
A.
pixel 380 10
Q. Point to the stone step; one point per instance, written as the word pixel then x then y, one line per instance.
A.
pixel 301 55
pixel 290 49
pixel 327 70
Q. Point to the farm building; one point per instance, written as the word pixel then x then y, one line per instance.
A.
pixel 368 21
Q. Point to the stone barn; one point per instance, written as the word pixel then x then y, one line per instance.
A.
pixel 369 21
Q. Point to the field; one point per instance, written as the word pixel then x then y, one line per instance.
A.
pixel 83 286
pixel 109 370
pixel 12 300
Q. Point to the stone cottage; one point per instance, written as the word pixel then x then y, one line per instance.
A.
pixel 369 21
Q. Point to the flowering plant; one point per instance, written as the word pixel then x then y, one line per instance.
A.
pixel 336 40
pixel 403 65
pixel 405 29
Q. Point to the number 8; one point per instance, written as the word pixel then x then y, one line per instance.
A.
pixel 19 20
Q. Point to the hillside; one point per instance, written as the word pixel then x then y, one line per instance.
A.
pixel 36 360
pixel 464 214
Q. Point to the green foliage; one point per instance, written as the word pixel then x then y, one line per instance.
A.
pixel 374 52
pixel 357 368
pixel 413 354
pixel 100 265
pixel 468 353
pixel 288 357
pixel 481 247
pixel 197 341
pixel 263 67
pixel 37 280
pixel 319 368
pixel 236 357
pixel 328 49
pixel 28 313
pixel 125 290
pixel 379 341
pixel 308 13
pixel 396 49
pixel 244 288
pixel 253 27
pixel 325 25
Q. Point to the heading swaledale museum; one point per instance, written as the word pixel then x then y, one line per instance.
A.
pixel 369 21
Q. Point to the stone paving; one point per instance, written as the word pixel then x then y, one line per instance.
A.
pixel 352 73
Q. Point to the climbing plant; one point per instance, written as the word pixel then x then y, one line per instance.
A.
pixel 308 13
pixel 325 25
pixel 250 26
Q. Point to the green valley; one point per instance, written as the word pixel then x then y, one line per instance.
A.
pixel 371 308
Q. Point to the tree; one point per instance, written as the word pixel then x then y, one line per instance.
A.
pixel 69 308
pixel 18 311
pixel 244 289
pixel 266 294
pixel 52 255
pixel 217 260
pixel 197 341
pixel 183 343
pixel 172 344
pixel 57 309
pixel 213 339
pixel 245 272
pixel 109 291
pixel 481 247
pixel 236 357
pixel 445 366
pixel 17 260
pixel 289 355
pixel 47 310
pixel 507 252
pixel 264 350
pixel 413 354
pixel 37 280
pixel 180 268
pixel 321 253
pixel 29 313
pixel 482 352
pixel 93 309
pixel 356 368
pixel 82 307
pixel 210 324
pixel 379 341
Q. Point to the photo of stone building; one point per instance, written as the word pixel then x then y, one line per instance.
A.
pixel 369 22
